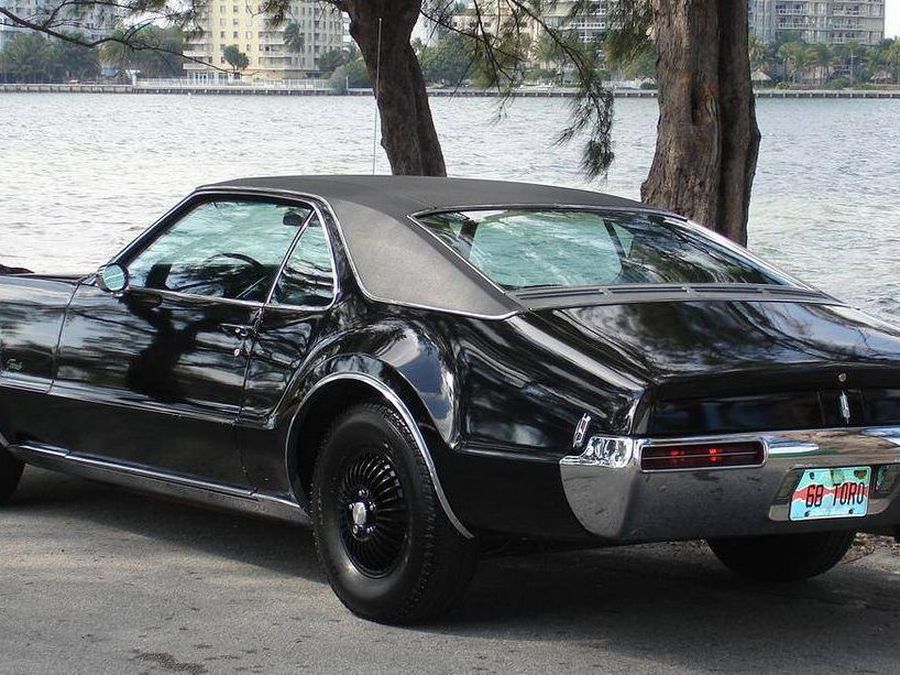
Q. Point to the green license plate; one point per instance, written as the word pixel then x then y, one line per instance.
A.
pixel 832 493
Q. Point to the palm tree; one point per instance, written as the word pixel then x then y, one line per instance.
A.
pixel 235 58
pixel 893 58
pixel 820 56
pixel 294 38
pixel 793 57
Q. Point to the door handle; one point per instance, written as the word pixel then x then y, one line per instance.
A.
pixel 242 333
pixel 238 330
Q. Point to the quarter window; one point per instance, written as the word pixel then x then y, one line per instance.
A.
pixel 308 277
pixel 223 249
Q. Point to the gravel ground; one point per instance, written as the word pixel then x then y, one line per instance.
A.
pixel 97 580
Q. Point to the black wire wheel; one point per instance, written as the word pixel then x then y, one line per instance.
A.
pixel 10 473
pixel 383 539
pixel 375 526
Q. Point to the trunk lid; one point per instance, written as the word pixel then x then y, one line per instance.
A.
pixel 716 366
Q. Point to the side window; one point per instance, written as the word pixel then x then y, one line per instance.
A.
pixel 222 249
pixel 308 277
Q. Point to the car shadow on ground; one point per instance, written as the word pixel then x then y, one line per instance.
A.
pixel 672 603
pixel 273 545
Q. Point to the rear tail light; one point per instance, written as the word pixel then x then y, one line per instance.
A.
pixel 702 456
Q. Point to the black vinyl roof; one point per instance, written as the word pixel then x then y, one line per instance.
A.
pixel 394 259
pixel 400 196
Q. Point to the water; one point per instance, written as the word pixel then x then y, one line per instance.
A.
pixel 81 175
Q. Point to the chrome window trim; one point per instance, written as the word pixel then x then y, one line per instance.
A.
pixel 669 217
pixel 729 245
pixel 334 282
pixel 349 255
pixel 192 296
pixel 212 193
pixel 397 403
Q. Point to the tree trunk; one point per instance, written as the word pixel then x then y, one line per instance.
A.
pixel 708 139
pixel 408 135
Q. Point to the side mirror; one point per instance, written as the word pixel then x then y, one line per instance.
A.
pixel 113 278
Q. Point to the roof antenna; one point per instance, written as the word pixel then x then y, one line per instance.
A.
pixel 377 84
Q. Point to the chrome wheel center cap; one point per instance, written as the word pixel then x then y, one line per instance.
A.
pixel 359 511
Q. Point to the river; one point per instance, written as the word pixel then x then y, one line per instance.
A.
pixel 82 174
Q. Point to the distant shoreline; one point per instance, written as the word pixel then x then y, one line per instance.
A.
pixel 525 92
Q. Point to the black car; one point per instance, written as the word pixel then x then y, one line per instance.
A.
pixel 428 369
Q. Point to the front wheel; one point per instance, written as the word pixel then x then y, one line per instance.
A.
pixel 10 473
pixel 783 557
pixel 383 539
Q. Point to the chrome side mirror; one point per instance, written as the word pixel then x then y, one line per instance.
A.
pixel 112 278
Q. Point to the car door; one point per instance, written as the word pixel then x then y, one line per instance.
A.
pixel 292 322
pixel 154 376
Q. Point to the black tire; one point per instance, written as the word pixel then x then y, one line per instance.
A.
pixel 382 537
pixel 783 557
pixel 10 473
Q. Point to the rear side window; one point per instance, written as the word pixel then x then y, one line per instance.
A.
pixel 308 276
pixel 522 248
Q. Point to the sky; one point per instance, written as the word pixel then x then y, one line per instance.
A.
pixel 892 18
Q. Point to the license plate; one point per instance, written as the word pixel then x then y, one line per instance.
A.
pixel 832 493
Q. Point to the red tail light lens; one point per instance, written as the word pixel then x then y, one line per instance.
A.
pixel 702 456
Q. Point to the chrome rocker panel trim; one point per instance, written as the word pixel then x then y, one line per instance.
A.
pixel 160 483
pixel 625 504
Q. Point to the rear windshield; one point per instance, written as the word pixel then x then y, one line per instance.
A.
pixel 520 249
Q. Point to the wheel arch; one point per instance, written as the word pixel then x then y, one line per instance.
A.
pixel 337 391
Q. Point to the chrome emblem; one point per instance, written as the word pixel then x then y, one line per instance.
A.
pixel 581 430
pixel 842 377
pixel 845 407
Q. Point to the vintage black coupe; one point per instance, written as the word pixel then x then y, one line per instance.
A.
pixel 428 369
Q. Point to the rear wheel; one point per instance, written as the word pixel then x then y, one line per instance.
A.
pixel 10 473
pixel 783 557
pixel 383 539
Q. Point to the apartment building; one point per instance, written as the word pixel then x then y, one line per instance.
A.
pixel 93 21
pixel 826 21
pixel 236 22
pixel 590 25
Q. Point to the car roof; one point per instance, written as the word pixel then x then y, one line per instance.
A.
pixel 401 196
pixel 397 261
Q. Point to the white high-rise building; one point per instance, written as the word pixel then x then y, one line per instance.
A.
pixel 827 21
pixel 229 22
pixel 590 26
pixel 93 21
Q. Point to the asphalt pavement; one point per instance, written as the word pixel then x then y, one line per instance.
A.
pixel 94 579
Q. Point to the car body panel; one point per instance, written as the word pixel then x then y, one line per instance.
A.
pixel 494 384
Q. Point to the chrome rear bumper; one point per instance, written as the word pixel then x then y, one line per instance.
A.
pixel 625 504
